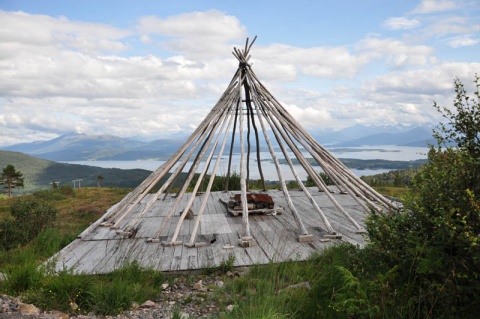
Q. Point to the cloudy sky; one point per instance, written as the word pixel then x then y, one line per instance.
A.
pixel 148 69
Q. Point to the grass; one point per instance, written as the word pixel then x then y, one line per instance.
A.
pixel 263 292
pixel 76 293
pixel 397 192
pixel 88 205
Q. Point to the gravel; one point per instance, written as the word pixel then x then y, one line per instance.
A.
pixel 185 297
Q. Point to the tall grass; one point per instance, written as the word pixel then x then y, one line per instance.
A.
pixel 22 276
pixel 265 292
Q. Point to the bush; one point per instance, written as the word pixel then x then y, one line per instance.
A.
pixel 67 190
pixel 56 193
pixel 48 194
pixel 30 216
pixel 433 244
pixel 323 176
pixel 424 261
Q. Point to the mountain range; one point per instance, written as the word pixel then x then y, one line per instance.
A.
pixel 82 147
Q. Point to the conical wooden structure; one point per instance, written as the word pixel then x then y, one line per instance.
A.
pixel 192 229
pixel 245 113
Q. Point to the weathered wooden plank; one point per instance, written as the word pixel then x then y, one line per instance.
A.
pixel 101 233
pixel 262 238
pixel 151 255
pixel 73 254
pixel 177 257
pixel 166 260
pixel 279 240
pixel 215 224
pixel 102 250
pixel 148 227
pixel 206 257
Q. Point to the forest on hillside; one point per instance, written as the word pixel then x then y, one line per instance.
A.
pixel 40 173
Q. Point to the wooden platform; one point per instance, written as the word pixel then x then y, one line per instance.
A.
pixel 100 250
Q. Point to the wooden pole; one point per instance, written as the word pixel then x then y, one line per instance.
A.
pixel 199 181
pixel 209 186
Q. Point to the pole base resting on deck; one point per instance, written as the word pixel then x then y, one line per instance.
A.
pixel 124 233
pixel 308 238
pixel 196 245
pixel 171 243
pixel 107 224
pixel 247 242
pixel 361 231
pixel 333 236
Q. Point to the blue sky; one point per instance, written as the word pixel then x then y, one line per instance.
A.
pixel 153 68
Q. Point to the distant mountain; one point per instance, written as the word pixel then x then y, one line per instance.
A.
pixel 75 142
pixel 328 136
pixel 359 134
pixel 81 147
pixel 78 147
pixel 415 137
pixel 40 173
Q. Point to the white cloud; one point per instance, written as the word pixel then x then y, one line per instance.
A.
pixel 453 25
pixel 58 75
pixel 429 6
pixel 288 62
pixel 411 93
pixel 401 23
pixel 196 33
pixel 310 116
pixel 397 53
pixel 44 32
pixel 462 41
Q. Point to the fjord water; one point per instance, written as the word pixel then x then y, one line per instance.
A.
pixel 386 152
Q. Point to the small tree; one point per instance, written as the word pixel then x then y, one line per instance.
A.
pixel 323 176
pixel 463 124
pixel 11 179
pixel 99 180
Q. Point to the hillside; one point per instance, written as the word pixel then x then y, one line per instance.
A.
pixel 40 173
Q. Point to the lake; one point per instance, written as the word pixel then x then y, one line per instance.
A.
pixel 385 152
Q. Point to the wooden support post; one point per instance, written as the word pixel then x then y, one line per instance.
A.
pixel 305 238
pixel 246 242
pixel 171 243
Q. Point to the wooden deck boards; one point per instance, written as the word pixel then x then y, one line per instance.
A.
pixel 100 250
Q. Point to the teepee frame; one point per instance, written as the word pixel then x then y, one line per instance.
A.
pixel 245 106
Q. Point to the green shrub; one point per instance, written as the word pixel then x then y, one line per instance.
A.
pixel 67 190
pixel 323 176
pixel 30 216
pixel 49 194
pixel 227 265
pixel 433 244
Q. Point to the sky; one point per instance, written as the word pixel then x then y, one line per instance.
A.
pixel 153 69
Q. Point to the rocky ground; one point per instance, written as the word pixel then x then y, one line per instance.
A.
pixel 181 299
